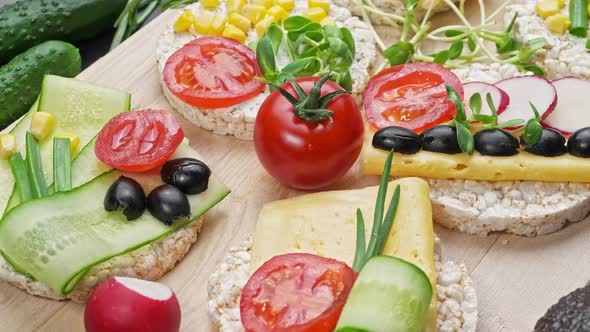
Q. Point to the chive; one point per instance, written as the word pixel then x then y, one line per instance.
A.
pixel 62 165
pixel 579 17
pixel 379 207
pixel 34 167
pixel 359 256
pixel 389 217
pixel 19 171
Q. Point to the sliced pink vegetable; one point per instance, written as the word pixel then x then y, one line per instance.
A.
pixel 524 89
pixel 499 97
pixel 132 305
pixel 571 112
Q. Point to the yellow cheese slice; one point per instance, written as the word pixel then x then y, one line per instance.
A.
pixel 325 224
pixel 523 166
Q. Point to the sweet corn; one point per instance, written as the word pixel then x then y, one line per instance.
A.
pixel 184 21
pixel 328 21
pixel 561 3
pixel 233 32
pixel 42 125
pixel 203 22
pixel 558 23
pixel 315 14
pixel 264 3
pixel 254 13
pixel 235 6
pixel 546 8
pixel 209 3
pixel 263 25
pixel 323 4
pixel 217 25
pixel 7 145
pixel 278 13
pixel 239 21
pixel 287 5
pixel 74 140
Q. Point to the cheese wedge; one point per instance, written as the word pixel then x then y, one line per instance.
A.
pixel 325 224
pixel 523 166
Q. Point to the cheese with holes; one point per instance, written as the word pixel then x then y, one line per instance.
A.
pixel 523 166
pixel 325 224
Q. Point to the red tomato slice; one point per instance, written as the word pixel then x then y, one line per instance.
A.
pixel 138 141
pixel 296 293
pixel 411 96
pixel 213 72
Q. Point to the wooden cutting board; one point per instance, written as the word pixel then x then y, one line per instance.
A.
pixel 516 278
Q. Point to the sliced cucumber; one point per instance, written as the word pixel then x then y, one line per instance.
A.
pixel 79 107
pixel 57 239
pixel 389 295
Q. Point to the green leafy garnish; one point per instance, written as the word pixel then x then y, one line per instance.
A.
pixel 465 138
pixel 533 129
pixel 399 53
pixel 170 4
pixel 475 103
pixel 34 167
pixel 21 178
pixel 381 226
pixel 62 165
pixel 456 49
pixel 133 16
pixel 441 57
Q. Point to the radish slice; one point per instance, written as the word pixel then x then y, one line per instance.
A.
pixel 499 97
pixel 525 89
pixel 571 112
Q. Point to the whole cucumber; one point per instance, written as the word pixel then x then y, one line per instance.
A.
pixel 21 78
pixel 25 24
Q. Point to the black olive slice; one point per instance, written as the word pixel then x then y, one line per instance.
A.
pixel 126 194
pixel 168 204
pixel 401 140
pixel 189 175
pixel 496 142
pixel 551 144
pixel 579 143
pixel 441 139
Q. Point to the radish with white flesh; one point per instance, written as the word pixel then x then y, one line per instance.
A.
pixel 524 90
pixel 571 112
pixel 499 97
pixel 132 305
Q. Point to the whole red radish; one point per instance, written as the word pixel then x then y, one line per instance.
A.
pixel 132 305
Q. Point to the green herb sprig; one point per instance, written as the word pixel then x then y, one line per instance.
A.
pixel 313 50
pixel 133 16
pixel 170 4
pixel 381 225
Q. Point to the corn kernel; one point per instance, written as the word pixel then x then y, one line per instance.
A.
pixel 42 125
pixel 287 5
pixel 561 3
pixel 328 21
pixel 235 6
pixel 209 3
pixel 264 3
pixel 315 14
pixel 278 13
pixel 184 21
pixel 263 25
pixel 74 140
pixel 558 23
pixel 323 4
pixel 546 8
pixel 7 145
pixel 239 21
pixel 254 13
pixel 203 22
pixel 217 25
pixel 234 32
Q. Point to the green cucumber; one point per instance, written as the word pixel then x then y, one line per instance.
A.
pixel 25 24
pixel 21 78
pixel 389 294
pixel 79 107
pixel 57 239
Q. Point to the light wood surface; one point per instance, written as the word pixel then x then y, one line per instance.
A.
pixel 516 278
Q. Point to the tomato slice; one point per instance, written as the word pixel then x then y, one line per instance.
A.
pixel 213 72
pixel 413 96
pixel 296 293
pixel 138 141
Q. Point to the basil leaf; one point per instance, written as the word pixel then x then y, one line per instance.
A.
pixel 456 100
pixel 456 49
pixel 275 33
pixel 471 44
pixel 526 52
pixel 349 40
pixel 475 103
pixel 532 132
pixel 465 138
pixel 453 33
pixel 485 119
pixel 510 123
pixel 534 69
pixel 399 53
pixel 266 59
pixel 441 57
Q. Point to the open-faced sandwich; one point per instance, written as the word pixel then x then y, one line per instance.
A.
pixel 129 204
pixel 212 58
pixel 301 272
